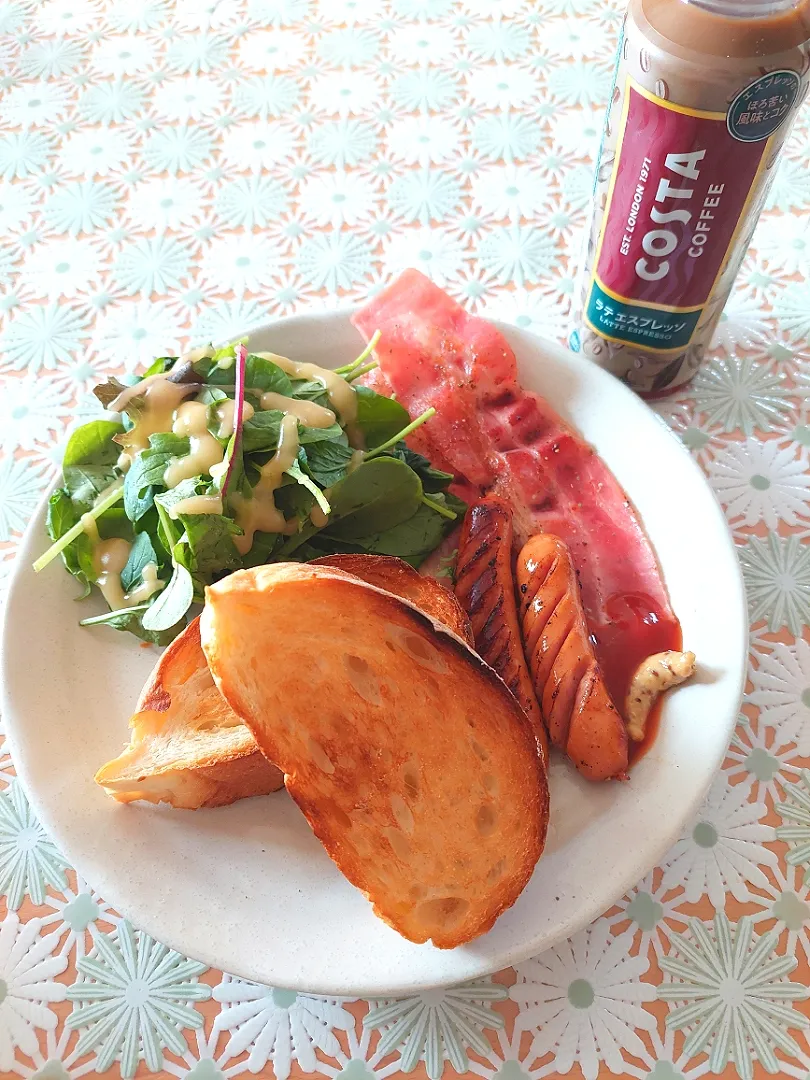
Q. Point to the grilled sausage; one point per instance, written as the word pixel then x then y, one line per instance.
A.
pixel 486 588
pixel 580 717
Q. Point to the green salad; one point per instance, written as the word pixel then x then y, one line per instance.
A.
pixel 223 459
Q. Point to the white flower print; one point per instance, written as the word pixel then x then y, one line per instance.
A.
pixel 255 201
pixel 781 691
pixel 112 102
pixel 741 393
pixel 152 266
pixel 347 11
pixel 501 86
pixel 423 140
pixel 206 14
pixel 131 1000
pixel 757 755
pixel 784 241
pixel 532 310
pixel 583 82
pixel 259 145
pixel 132 334
pixel 95 152
pixel 127 15
pixel 278 1026
pixel 341 143
pixel 795 830
pixel 29 862
pixel 722 850
pixel 424 195
pixel 414 44
pixel 777 580
pixel 649 913
pixel 788 901
pixel 348 47
pixel 512 191
pixel 123 54
pixel 177 148
pixel 334 260
pixel 27 971
pixel 193 53
pixel 426 88
pixel 578 131
pixel 501 40
pixel 32 409
pixel 42 336
pixel 193 97
pixel 740 324
pixel 12 17
pixel 762 481
pixel 227 320
pixel 39 103
pixel 21 487
pixel 165 203
pixel 791 187
pixel 576 38
pixel 65 267
pixel 582 1001
pixel 268 50
pixel 278 12
pixel 336 198
pixel 438 1025
pixel 792 308
pixel 736 999
pixel 266 96
pixel 23 153
pixel 17 203
pixel 433 251
pixel 67 16
pixel 519 254
pixel 80 206
pixel 240 263
pixel 665 1062
pixel 508 136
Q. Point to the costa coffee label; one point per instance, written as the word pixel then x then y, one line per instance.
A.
pixel 681 183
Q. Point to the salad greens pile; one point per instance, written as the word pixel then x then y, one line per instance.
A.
pixel 387 500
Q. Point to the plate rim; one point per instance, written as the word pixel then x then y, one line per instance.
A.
pixel 584 914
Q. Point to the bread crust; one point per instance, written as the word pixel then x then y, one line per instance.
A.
pixel 193 773
pixel 410 759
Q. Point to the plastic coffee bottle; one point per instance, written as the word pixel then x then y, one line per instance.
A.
pixel 704 97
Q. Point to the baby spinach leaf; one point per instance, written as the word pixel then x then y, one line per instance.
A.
pixel 311 390
pixel 88 466
pixel 432 479
pixel 326 462
pixel 378 495
pixel 378 417
pixel 130 621
pixel 141 554
pixel 411 540
pixel 171 604
pixel 209 539
pixel 146 473
pixel 78 556
pixel 261 432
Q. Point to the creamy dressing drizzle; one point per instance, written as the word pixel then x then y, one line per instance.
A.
pixel 164 408
pixel 308 412
pixel 191 420
pixel 109 559
pixel 260 513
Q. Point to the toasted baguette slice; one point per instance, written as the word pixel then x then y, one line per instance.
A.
pixel 187 748
pixel 412 762
pixel 398 577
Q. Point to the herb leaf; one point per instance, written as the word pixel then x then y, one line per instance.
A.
pixel 172 603
pixel 378 495
pixel 141 554
pixel 378 417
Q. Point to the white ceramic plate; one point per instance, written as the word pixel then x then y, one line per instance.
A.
pixel 247 888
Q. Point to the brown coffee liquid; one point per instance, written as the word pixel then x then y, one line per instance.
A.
pixel 704 98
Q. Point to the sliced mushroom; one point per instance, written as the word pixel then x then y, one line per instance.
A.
pixel 652 677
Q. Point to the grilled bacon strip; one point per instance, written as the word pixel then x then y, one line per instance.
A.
pixel 580 717
pixel 486 589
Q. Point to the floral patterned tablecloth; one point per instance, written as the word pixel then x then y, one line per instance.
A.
pixel 174 172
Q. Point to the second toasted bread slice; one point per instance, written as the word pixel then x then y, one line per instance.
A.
pixel 410 759
pixel 187 746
